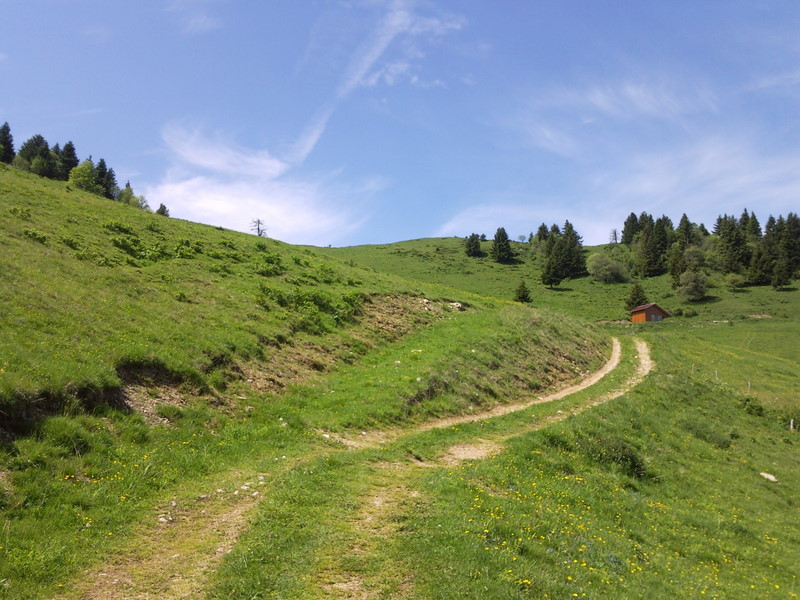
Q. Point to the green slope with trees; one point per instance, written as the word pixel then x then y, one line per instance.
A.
pixel 153 372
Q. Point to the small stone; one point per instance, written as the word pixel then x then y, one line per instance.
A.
pixel 769 477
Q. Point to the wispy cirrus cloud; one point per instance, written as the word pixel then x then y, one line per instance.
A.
pixel 191 148
pixel 570 121
pixel 195 16
pixel 213 180
pixel 713 171
pixel 629 99
pixel 399 21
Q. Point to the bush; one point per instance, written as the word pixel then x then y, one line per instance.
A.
pixel 118 227
pixel 614 451
pixel 693 286
pixel 36 236
pixel 187 248
pixel 605 269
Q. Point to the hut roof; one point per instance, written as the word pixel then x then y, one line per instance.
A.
pixel 644 307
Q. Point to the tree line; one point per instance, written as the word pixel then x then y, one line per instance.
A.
pixel 739 249
pixel 560 249
pixel 62 163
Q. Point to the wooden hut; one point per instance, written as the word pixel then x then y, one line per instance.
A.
pixel 648 312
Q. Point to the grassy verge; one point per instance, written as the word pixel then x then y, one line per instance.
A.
pixel 657 493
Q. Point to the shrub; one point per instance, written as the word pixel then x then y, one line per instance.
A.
pixel 22 213
pixel 36 236
pixel 605 269
pixel 118 227
pixel 69 241
pixel 271 264
pixel 130 244
pixel 187 248
pixel 693 285
pixel 614 451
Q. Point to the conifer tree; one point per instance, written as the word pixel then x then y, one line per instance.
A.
pixel 6 144
pixel 636 297
pixel 630 228
pixel 501 247
pixel 473 245
pixel 522 293
pixel 66 160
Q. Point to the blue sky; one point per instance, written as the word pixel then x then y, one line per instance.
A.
pixel 370 121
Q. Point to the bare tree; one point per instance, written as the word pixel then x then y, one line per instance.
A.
pixel 257 227
pixel 613 237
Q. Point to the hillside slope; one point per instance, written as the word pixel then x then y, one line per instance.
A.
pixel 286 422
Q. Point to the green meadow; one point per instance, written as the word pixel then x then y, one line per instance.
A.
pixel 191 412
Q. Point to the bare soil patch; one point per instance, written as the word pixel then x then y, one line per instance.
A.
pixel 382 319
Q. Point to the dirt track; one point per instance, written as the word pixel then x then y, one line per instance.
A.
pixel 173 559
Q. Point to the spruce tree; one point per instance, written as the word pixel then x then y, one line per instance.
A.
pixel 630 228
pixel 6 144
pixel 572 247
pixel 501 247
pixel 66 160
pixel 636 297
pixel 473 245
pixel 552 270
pixel 522 293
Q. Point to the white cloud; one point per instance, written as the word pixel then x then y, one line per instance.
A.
pixel 293 211
pixel 635 99
pixel 399 20
pixel 706 178
pixel 194 149
pixel 780 81
pixel 517 219
pixel 219 183
pixel 194 16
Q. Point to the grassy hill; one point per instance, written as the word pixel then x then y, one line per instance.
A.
pixel 187 411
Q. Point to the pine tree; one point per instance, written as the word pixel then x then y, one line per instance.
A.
pixel 6 144
pixel 781 273
pixel 107 179
pixel 574 259
pixel 501 247
pixel 630 228
pixel 636 297
pixel 553 268
pixel 790 242
pixel 684 234
pixel 732 248
pixel 34 155
pixel 66 160
pixel 473 245
pixel 522 293
pixel 542 233
pixel 676 262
